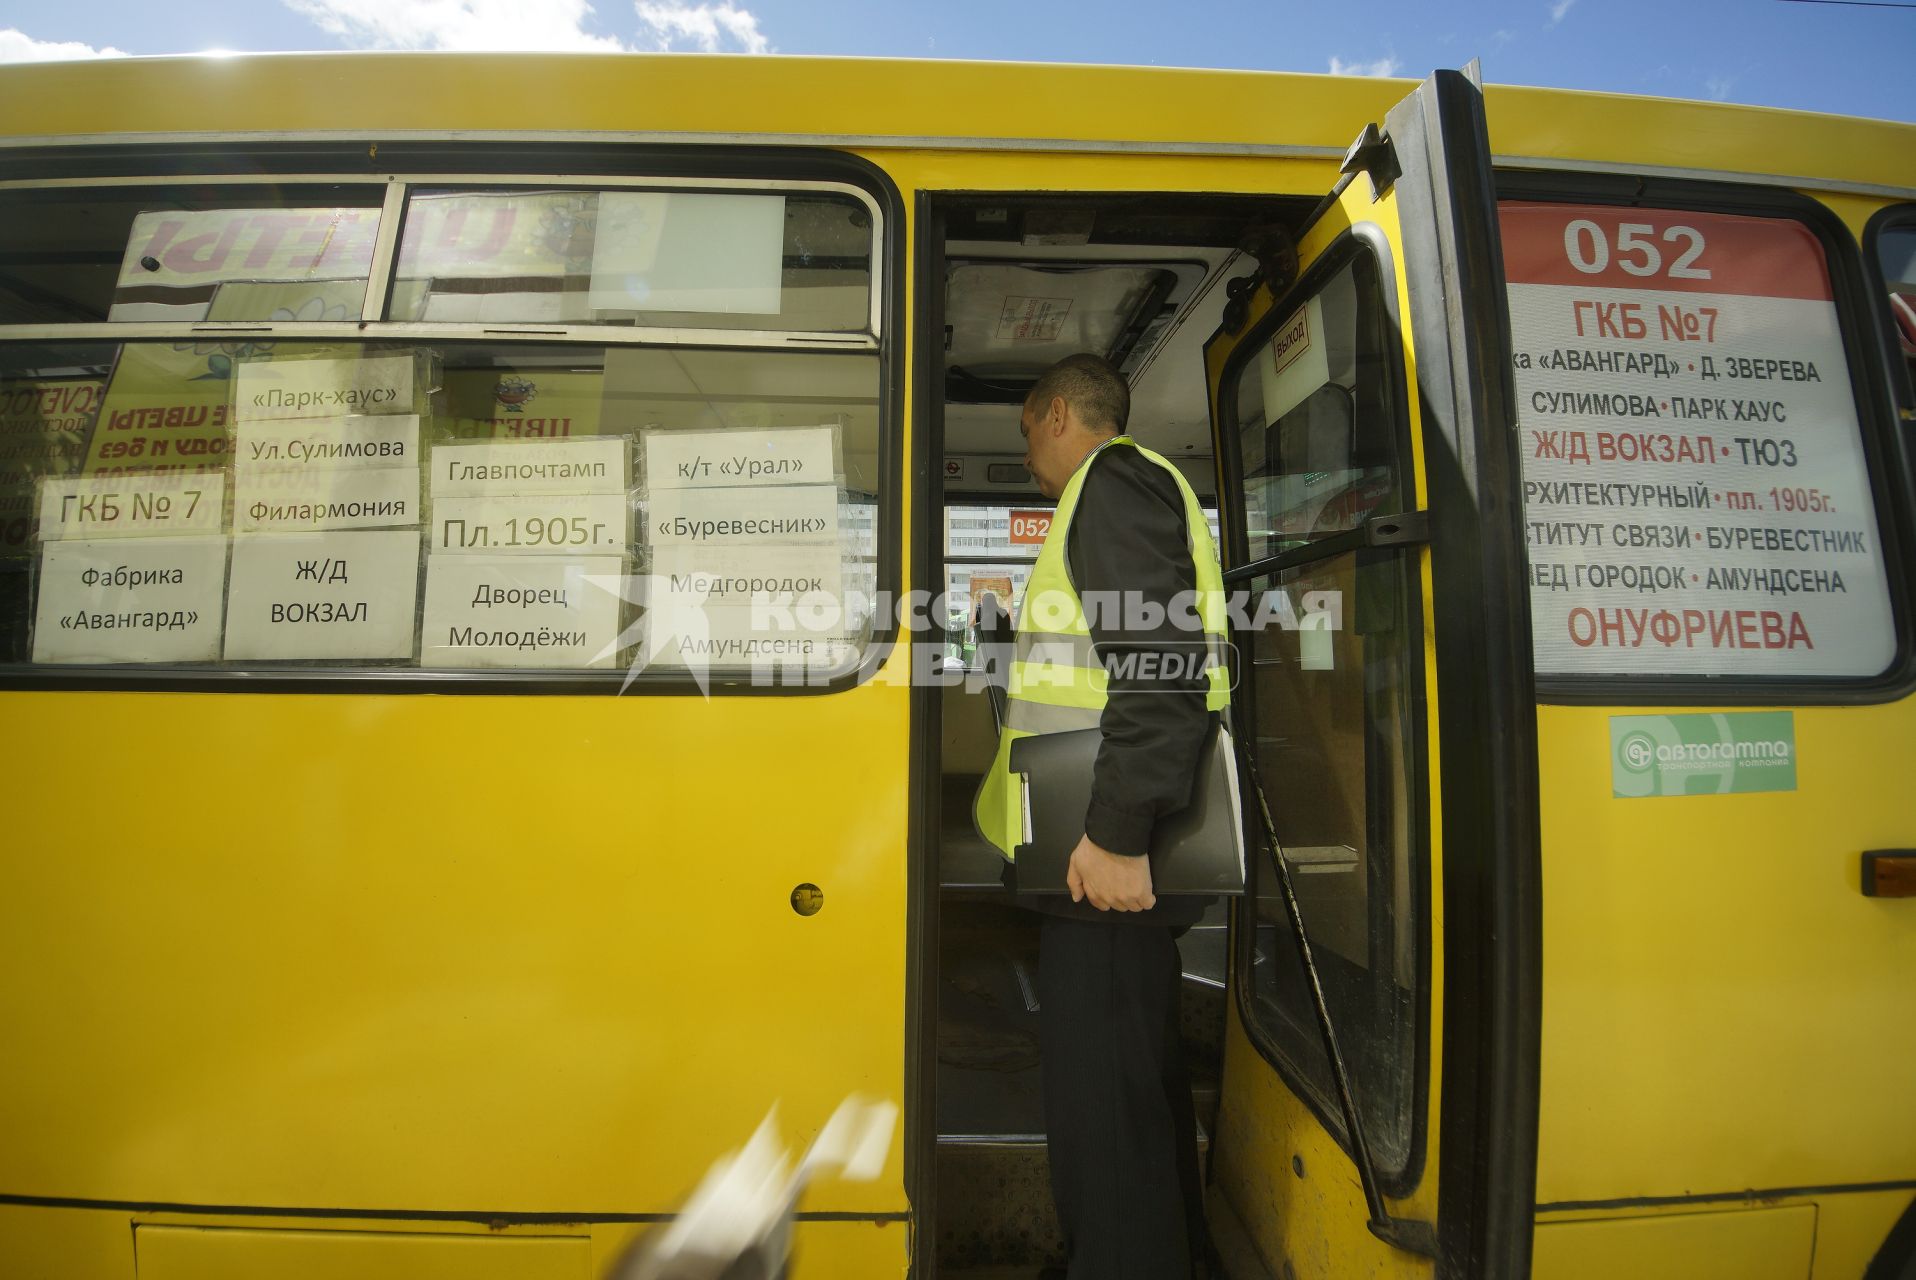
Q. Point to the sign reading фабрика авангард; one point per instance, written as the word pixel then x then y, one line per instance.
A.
pixel 1696 488
pixel 127 573
pixel 130 600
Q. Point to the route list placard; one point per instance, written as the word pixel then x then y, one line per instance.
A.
pixel 743 531
pixel 1696 494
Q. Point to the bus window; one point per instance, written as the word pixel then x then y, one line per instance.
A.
pixel 989 550
pixel 293 253
pixel 672 259
pixel 438 497
pixel 1896 256
pixel 1334 694
pixel 1697 477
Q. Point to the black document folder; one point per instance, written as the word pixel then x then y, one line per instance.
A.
pixel 1198 850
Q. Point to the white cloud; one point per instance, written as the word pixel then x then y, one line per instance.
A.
pixel 1381 67
pixel 503 25
pixel 17 46
pixel 1501 37
pixel 1719 87
pixel 1557 11
pixel 709 28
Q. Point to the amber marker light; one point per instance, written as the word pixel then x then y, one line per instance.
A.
pixel 1889 873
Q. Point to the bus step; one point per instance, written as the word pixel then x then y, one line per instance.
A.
pixel 994 1208
pixel 994 1204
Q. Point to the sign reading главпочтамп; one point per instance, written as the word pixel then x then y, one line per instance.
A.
pixel 528 554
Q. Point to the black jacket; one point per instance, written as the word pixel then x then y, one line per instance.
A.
pixel 1128 558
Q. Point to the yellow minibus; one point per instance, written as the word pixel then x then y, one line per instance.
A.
pixel 488 553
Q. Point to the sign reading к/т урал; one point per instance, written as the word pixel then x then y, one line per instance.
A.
pixel 1696 491
pixel 743 535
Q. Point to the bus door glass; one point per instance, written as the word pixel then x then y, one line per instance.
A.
pixel 1325 432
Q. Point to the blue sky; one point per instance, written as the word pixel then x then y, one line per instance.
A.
pixel 1853 59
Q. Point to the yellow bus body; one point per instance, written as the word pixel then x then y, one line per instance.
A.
pixel 536 954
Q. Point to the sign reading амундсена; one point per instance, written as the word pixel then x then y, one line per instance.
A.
pixel 1723 753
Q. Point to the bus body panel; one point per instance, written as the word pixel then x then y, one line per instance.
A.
pixel 1709 960
pixel 97 1244
pixel 1773 1243
pixel 441 953
pixel 1704 137
pixel 1715 970
pixel 1293 1186
pixel 1140 108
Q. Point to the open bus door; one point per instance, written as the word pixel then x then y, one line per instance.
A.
pixel 1380 1080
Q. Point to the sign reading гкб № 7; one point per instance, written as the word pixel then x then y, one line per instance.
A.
pixel 1727 753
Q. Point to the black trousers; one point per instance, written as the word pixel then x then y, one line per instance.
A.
pixel 1117 1100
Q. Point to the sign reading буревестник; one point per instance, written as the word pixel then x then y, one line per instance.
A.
pixel 1723 753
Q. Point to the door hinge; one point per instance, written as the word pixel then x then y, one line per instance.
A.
pixel 1373 154
pixel 1274 250
pixel 1400 529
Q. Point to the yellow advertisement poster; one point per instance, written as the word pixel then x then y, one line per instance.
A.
pixel 505 404
pixel 43 432
pixel 165 409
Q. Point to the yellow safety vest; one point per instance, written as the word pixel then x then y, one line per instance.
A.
pixel 1056 683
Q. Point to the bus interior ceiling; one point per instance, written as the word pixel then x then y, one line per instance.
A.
pixel 1030 279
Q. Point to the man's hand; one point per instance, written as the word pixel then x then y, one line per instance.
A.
pixel 1112 881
